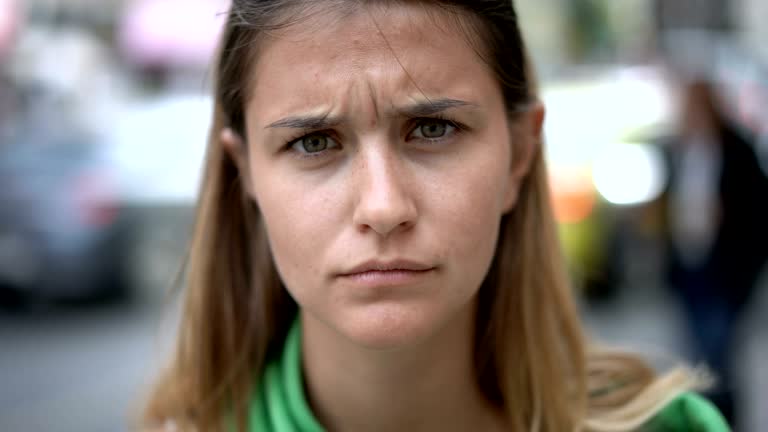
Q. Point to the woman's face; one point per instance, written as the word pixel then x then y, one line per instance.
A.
pixel 382 169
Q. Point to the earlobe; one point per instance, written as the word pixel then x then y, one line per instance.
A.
pixel 234 147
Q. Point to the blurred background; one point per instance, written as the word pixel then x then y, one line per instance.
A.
pixel 657 140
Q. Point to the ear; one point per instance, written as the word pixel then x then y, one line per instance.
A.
pixel 234 147
pixel 526 136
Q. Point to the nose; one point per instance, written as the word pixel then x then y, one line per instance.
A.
pixel 385 197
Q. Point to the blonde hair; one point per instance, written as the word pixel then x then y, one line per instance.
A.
pixel 532 358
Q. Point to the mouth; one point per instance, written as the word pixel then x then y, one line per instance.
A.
pixel 387 273
pixel 393 266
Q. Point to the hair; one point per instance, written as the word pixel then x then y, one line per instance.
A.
pixel 532 359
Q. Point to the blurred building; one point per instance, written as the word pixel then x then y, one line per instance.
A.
pixel 700 14
pixel 752 16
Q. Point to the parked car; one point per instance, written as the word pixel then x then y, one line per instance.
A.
pixel 62 232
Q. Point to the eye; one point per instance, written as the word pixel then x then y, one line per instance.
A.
pixel 313 143
pixel 433 129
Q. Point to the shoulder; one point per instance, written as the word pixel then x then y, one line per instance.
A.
pixel 688 412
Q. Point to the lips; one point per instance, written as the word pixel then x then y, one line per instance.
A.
pixel 384 267
pixel 379 274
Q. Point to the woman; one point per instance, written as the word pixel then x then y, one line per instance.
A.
pixel 374 247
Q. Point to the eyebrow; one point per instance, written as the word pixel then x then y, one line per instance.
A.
pixel 430 107
pixel 322 121
pixel 326 121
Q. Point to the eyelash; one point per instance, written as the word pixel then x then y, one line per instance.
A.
pixel 415 122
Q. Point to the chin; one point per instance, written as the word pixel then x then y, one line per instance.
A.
pixel 389 325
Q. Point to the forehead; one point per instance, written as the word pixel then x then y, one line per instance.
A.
pixel 391 52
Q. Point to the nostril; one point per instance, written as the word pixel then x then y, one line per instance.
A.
pixel 385 216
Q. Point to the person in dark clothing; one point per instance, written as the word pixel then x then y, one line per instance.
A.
pixel 717 229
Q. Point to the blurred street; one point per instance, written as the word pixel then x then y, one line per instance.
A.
pixel 650 321
pixel 73 370
pixel 84 366
pixel 83 369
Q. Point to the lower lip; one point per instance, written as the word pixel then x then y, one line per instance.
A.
pixel 387 278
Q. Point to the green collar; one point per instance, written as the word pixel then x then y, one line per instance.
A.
pixel 688 413
pixel 280 405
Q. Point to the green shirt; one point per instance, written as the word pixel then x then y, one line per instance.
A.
pixel 279 404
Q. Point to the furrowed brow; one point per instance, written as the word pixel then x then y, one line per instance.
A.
pixel 323 121
pixel 431 107
pixel 326 121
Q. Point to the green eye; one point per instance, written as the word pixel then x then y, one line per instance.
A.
pixel 433 129
pixel 315 143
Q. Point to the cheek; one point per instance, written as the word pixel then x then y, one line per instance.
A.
pixel 469 208
pixel 299 221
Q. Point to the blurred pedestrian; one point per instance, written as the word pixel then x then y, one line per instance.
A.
pixel 717 228
pixel 375 248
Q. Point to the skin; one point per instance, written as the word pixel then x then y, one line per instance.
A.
pixel 381 190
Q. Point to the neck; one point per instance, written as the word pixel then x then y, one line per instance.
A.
pixel 424 388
